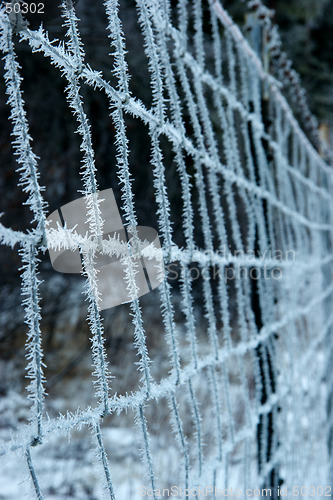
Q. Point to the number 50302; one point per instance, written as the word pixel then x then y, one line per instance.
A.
pixel 24 8
pixel 312 491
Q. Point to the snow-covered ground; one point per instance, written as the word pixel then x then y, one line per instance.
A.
pixel 67 465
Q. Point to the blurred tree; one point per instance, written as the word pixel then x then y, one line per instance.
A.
pixel 306 28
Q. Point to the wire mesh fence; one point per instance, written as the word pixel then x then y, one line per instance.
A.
pixel 237 395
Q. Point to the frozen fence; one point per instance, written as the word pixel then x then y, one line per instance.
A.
pixel 245 396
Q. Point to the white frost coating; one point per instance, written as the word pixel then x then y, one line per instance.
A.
pixel 244 187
